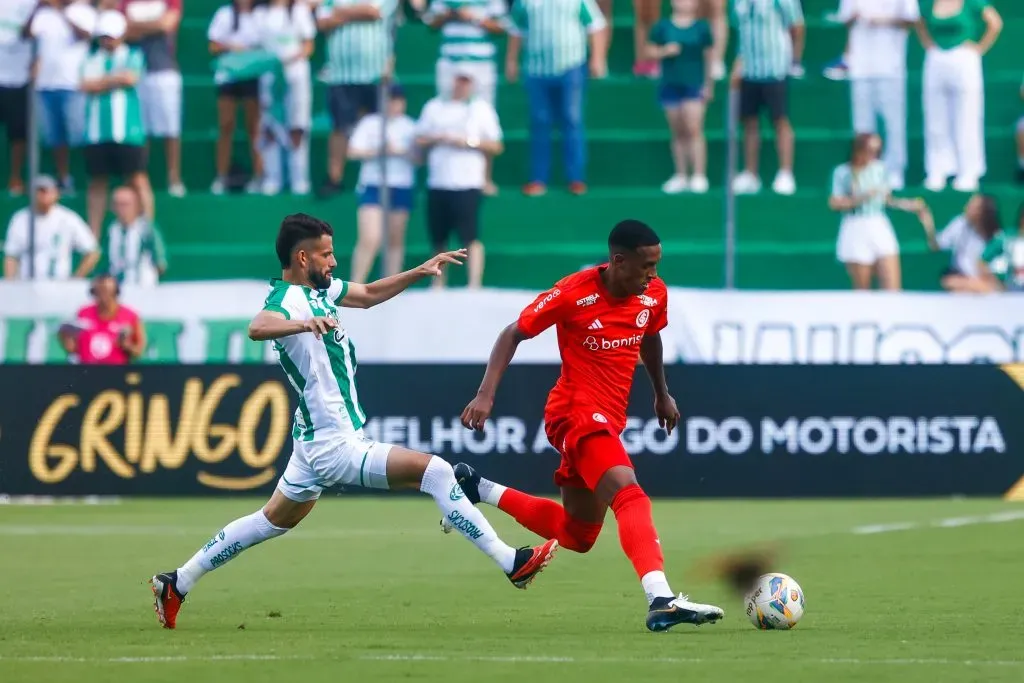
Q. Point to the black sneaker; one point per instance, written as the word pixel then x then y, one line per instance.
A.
pixel 664 613
pixel 329 189
pixel 469 480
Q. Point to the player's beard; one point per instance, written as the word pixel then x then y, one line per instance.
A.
pixel 319 279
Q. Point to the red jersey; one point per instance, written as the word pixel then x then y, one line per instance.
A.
pixel 599 341
pixel 99 338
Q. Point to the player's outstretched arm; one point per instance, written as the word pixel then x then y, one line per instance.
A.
pixel 269 325
pixel 479 409
pixel 652 354
pixel 379 291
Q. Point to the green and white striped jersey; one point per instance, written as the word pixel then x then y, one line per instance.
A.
pixel 765 45
pixel 136 252
pixel 871 179
pixel 322 371
pixel 554 33
pixel 115 115
pixel 466 41
pixel 358 52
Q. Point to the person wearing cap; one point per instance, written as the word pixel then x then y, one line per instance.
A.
pixel 468 28
pixel 367 145
pixel 153 29
pixel 358 50
pixel 553 36
pixel 459 133
pixel 115 135
pixel 59 232
pixel 15 63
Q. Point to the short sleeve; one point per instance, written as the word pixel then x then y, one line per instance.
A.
pixel 337 290
pixel 518 19
pixel 487 117
pixel 425 124
pixel 221 25
pixel 841 182
pixel 791 12
pixel 305 24
pixel 951 233
pixel 910 11
pixel 362 136
pixel 706 39
pixel 591 16
pixel 659 315
pixel 81 235
pixel 993 250
pixel 275 302
pixel 496 9
pixel 17 235
pixel 657 35
pixel 546 310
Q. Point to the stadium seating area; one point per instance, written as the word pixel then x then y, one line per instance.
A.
pixel 783 242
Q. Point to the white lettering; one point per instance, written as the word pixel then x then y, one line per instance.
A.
pixel 964 425
pixel 441 435
pixel 901 435
pixel 815 435
pixel 989 437
pixel 700 435
pixel 772 433
pixel 865 426
pixel 511 433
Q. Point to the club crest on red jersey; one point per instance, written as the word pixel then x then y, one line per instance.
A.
pixel 642 317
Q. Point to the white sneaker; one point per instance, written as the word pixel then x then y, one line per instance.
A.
pixel 177 190
pixel 965 184
pixel 675 185
pixel 254 186
pixel 784 183
pixel 896 182
pixel 699 184
pixel 270 189
pixel 217 187
pixel 746 183
pixel 935 183
pixel 301 189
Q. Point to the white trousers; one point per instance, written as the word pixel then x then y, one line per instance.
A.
pixel 954 114
pixel 883 98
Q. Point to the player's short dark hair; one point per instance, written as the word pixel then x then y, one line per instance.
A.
pixel 630 235
pixel 296 228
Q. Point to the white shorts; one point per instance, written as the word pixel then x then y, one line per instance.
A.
pixel 298 107
pixel 485 78
pixel 160 96
pixel 865 239
pixel 350 461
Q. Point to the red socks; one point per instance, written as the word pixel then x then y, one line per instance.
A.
pixel 548 519
pixel 637 535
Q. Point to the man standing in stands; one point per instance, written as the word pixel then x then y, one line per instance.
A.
pixel 553 36
pixel 358 49
pixel 771 47
pixel 15 60
pixel 105 333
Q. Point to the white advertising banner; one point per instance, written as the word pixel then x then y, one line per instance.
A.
pixel 195 322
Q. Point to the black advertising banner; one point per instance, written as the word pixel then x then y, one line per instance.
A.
pixel 747 431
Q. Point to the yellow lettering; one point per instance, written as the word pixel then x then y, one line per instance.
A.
pixel 204 432
pixel 41 450
pixel 133 422
pixel 103 416
pixel 164 446
pixel 272 395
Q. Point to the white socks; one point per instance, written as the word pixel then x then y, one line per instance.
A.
pixel 233 539
pixel 439 482
pixel 656 586
pixel 490 492
pixel 298 166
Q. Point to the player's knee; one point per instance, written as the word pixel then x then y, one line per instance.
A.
pixel 627 496
pixel 580 537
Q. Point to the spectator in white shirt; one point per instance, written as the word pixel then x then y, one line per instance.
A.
pixel 59 231
pixel 876 59
pixel 460 132
pixel 965 238
pixel 15 61
pixel 233 29
pixel 397 172
pixel 62 31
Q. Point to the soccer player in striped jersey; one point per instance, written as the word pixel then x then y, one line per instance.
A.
pixel 300 315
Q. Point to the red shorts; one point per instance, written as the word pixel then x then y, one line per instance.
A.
pixel 584 462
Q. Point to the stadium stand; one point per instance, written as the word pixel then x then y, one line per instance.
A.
pixel 783 242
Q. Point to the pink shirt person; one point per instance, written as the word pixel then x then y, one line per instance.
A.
pixel 99 340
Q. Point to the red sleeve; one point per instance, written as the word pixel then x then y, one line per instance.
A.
pixel 659 313
pixel 546 310
pixel 174 4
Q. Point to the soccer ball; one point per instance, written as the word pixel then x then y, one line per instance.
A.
pixel 775 602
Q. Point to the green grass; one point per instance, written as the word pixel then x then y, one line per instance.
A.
pixel 368 589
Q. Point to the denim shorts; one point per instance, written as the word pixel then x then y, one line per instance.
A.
pixel 670 95
pixel 401 197
pixel 61 118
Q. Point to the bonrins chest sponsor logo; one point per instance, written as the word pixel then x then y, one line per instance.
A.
pixel 602 344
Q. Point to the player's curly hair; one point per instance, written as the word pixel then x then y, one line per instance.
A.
pixel 296 228
pixel 630 235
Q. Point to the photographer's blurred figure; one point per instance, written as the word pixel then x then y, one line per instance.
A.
pixel 135 246
pixel 59 231
pixel 106 332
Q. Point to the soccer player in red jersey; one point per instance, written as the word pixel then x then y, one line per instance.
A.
pixel 606 317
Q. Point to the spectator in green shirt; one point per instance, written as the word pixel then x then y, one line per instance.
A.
pixel 1020 142
pixel 683 44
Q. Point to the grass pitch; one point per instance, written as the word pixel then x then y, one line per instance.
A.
pixel 369 589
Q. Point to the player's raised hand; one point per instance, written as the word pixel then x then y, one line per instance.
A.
pixel 320 325
pixel 667 412
pixel 434 266
pixel 477 412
